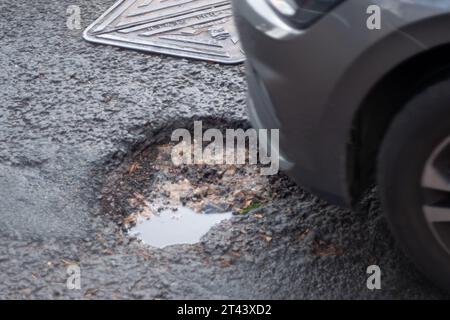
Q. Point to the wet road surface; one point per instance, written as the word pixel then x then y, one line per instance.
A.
pixel 71 112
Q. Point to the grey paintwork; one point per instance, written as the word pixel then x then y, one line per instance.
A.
pixel 311 83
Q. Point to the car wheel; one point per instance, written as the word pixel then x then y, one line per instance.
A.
pixel 414 181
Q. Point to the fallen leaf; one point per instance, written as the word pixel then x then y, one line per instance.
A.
pixel 108 252
pixel 130 220
pixel 235 254
pixel 67 262
pixel 90 292
pixel 323 249
pixel 225 263
pixel 304 234
pixel 133 168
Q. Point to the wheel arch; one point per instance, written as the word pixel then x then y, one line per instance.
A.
pixel 392 92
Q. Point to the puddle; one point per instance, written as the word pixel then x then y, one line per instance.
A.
pixel 169 227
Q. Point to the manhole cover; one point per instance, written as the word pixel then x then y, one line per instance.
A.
pixel 199 29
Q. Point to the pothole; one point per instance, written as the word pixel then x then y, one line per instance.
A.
pixel 165 204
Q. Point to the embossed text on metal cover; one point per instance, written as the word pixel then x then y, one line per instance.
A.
pixel 199 29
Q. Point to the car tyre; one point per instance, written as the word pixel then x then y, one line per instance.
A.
pixel 414 180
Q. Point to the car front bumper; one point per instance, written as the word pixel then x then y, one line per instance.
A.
pixel 286 92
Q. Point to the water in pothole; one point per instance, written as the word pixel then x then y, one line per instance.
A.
pixel 183 226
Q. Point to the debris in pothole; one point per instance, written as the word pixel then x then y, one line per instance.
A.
pixel 204 188
pixel 153 184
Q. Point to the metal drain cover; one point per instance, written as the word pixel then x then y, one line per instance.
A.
pixel 199 29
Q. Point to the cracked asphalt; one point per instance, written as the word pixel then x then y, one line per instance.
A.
pixel 72 111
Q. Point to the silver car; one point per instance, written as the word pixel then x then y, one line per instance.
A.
pixel 360 91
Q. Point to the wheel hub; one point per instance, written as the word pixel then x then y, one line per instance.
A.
pixel 436 192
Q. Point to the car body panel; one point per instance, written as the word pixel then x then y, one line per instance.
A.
pixel 311 83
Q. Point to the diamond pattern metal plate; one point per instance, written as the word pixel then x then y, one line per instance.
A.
pixel 199 29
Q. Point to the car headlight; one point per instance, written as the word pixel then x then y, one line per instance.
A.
pixel 302 13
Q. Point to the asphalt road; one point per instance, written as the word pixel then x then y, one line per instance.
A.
pixel 73 111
